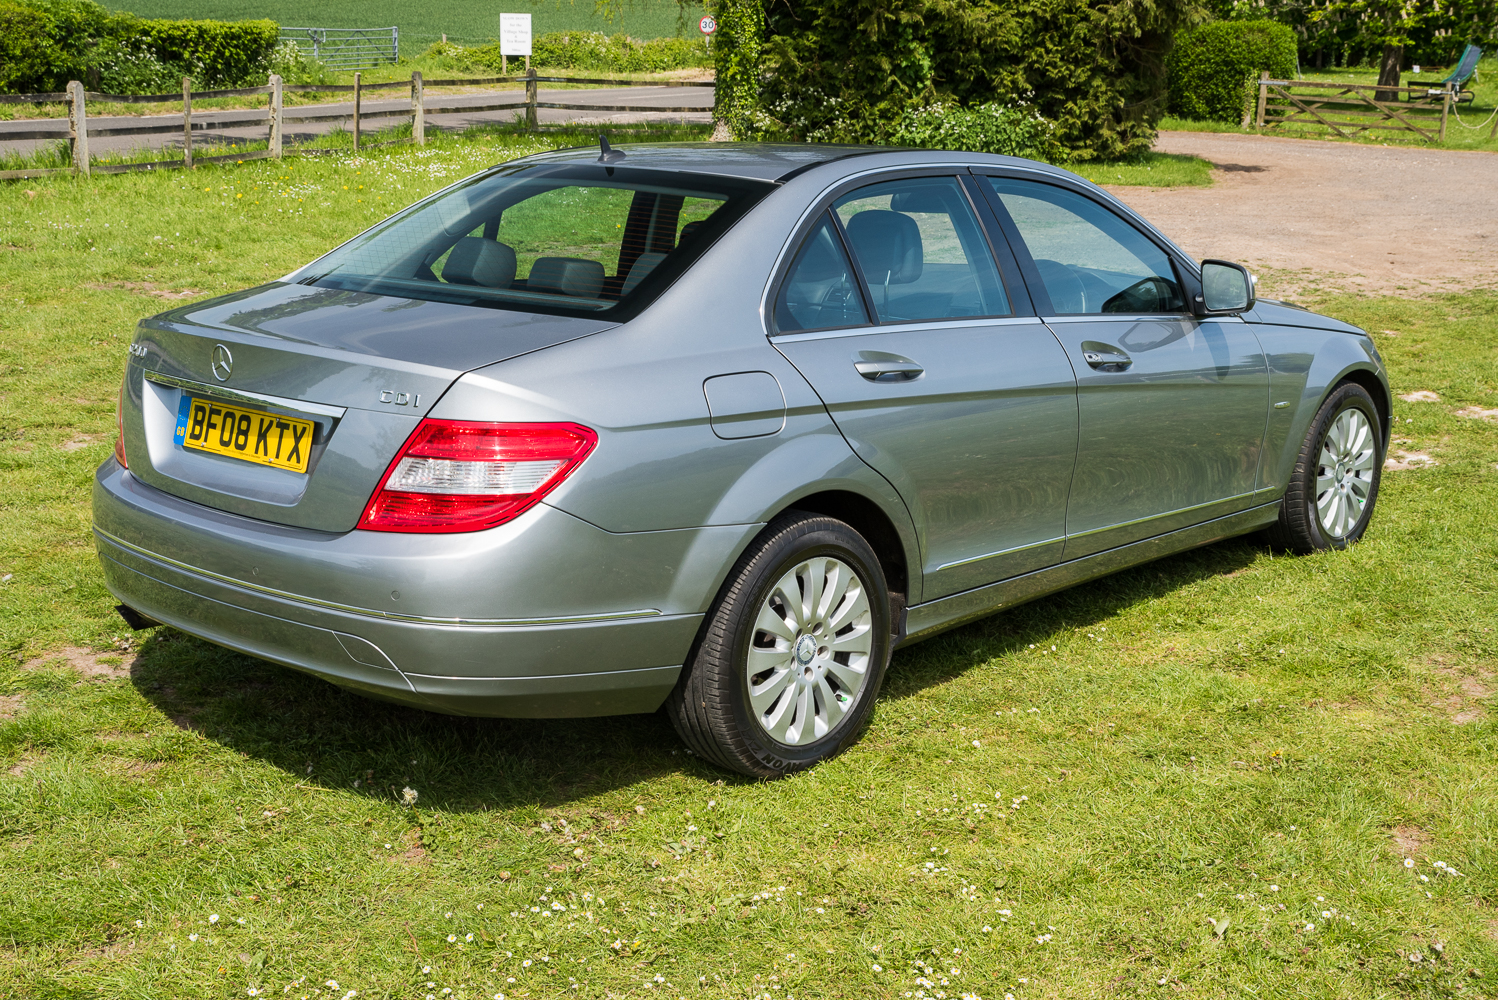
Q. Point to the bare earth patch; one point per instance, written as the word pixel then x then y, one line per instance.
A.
pixel 414 854
pixel 1420 396
pixel 1402 460
pixel 1465 705
pixel 147 288
pixel 1369 218
pixel 23 765
pixel 1410 840
pixel 10 706
pixel 1478 413
pixel 78 442
pixel 92 665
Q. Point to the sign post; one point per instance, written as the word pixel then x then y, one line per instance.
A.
pixel 708 25
pixel 514 40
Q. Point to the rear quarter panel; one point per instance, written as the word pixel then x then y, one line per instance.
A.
pixel 658 464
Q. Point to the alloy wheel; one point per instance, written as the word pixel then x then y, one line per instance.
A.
pixel 810 653
pixel 1344 473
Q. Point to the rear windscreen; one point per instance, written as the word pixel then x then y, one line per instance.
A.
pixel 577 239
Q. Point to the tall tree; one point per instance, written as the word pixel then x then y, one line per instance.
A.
pixel 738 48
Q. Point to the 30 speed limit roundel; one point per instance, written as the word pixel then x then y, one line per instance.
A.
pixel 707 25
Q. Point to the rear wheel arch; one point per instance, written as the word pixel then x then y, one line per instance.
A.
pixel 868 519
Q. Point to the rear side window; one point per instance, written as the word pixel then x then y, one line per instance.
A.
pixel 820 291
pixel 1089 259
pixel 570 240
pixel 919 247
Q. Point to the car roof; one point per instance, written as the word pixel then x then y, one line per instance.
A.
pixel 766 161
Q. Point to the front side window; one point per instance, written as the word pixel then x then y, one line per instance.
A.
pixel 1090 260
pixel 921 251
pixel 576 239
pixel 820 291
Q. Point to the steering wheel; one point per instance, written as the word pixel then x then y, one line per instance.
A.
pixel 1148 295
pixel 1068 294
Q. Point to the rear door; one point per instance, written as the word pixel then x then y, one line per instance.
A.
pixel 1172 408
pixel 935 369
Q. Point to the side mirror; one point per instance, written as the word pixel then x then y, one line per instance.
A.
pixel 1227 288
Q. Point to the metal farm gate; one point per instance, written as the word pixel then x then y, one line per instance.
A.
pixel 347 48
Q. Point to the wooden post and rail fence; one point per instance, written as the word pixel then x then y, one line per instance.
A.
pixel 78 130
pixel 1350 109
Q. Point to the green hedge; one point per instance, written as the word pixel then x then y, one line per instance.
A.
pixel 27 53
pixel 1212 67
pixel 1010 130
pixel 46 43
pixel 597 52
pixel 215 53
pixel 847 70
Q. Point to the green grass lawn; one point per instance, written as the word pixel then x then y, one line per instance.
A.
pixel 1201 777
pixel 1468 128
pixel 423 23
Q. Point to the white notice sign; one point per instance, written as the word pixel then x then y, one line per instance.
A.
pixel 514 34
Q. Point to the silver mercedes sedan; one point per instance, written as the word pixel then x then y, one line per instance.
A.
pixel 713 428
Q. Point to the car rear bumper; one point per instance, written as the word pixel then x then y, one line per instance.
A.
pixel 606 663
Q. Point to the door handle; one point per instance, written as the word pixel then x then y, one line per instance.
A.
pixel 1106 360
pixel 887 368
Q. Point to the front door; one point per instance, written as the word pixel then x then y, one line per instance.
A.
pixel 1172 408
pixel 935 377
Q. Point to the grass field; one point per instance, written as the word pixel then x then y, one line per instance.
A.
pixel 1201 777
pixel 423 23
pixel 1469 128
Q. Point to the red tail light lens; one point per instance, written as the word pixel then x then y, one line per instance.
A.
pixel 460 475
pixel 119 426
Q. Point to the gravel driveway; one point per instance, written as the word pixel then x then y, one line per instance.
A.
pixel 1305 212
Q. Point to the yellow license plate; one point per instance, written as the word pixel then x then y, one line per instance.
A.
pixel 253 435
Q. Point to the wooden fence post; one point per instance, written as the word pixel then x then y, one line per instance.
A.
pixel 530 97
pixel 358 96
pixel 1445 110
pixel 1263 97
pixel 418 110
pixel 187 122
pixel 275 116
pixel 78 123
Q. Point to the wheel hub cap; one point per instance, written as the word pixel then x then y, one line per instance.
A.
pixel 1344 476
pixel 810 652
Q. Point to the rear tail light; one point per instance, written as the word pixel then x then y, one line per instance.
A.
pixel 461 475
pixel 119 426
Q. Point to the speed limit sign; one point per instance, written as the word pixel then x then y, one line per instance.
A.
pixel 707 25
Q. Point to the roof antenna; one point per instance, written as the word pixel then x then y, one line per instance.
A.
pixel 609 154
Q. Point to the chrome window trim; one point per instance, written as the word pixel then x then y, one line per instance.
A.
pixel 914 326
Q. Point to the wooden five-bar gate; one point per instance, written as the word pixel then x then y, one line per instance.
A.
pixel 1350 109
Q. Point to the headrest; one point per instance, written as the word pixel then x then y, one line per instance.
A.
pixel 923 198
pixel 689 230
pixel 573 276
pixel 643 265
pixel 888 246
pixel 476 261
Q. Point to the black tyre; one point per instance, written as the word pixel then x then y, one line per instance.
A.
pixel 1334 486
pixel 791 656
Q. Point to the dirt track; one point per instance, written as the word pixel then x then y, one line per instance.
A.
pixel 1307 213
